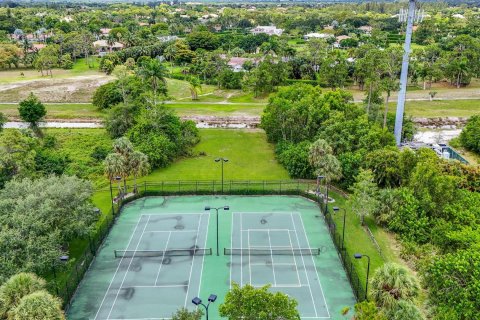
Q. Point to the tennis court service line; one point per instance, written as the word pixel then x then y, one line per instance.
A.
pixel 305 267
pixel 203 258
pixel 118 267
pixel 193 260
pixel 308 244
pixel 128 268
pixel 163 257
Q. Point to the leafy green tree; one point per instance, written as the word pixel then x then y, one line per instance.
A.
pixel 294 157
pixel 334 69
pixel 120 119
pixel 17 287
pixel 34 231
pixel 107 96
pixel 3 121
pixel 248 302
pixel 184 314
pixel 392 283
pixel 323 161
pixel 38 305
pixel 31 110
pixel 266 77
pixel 47 59
pixel 454 279
pixel 202 40
pixel 384 163
pixel 470 135
pixel 364 192
pixel 139 166
pixel 17 155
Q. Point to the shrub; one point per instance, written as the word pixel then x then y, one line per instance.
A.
pixel 107 96
pixel 470 135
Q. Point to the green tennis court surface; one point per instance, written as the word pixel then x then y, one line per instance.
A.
pixel 158 256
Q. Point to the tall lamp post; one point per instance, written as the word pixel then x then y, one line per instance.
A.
pixel 336 209
pixel 198 302
pixel 226 208
pixel 360 256
pixel 222 160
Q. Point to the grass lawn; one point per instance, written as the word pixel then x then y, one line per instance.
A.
pixel 79 68
pixel 216 109
pixel 441 108
pixel 59 111
pixel 250 156
pixel 179 89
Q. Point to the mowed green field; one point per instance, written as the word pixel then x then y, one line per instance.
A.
pixel 59 111
pixel 219 110
pixel 250 156
pixel 440 108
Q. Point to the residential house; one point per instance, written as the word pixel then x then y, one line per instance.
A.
pixel 270 30
pixel 103 47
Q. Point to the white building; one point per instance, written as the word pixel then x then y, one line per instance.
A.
pixel 270 30
pixel 315 35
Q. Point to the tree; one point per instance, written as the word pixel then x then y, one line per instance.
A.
pixel 120 119
pixel 39 217
pixel 153 72
pixel 107 96
pixel 115 166
pixel 32 110
pixel 248 302
pixel 323 161
pixel 470 135
pixel 47 58
pixel 38 305
pixel 364 191
pixel 3 121
pixel 334 70
pixel 17 287
pixel 392 283
pixel 184 314
pixel 294 157
pixel 202 40
pixel 195 87
pixel 139 166
pixel 367 311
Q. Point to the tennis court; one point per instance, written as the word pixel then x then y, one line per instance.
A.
pixel 158 256
pixel 273 248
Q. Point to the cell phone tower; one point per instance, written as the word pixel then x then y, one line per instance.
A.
pixel 409 16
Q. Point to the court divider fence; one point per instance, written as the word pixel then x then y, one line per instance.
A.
pixel 66 278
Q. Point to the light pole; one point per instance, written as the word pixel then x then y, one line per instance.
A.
pixel 222 160
pixel 336 209
pixel 319 180
pixel 360 256
pixel 226 208
pixel 198 302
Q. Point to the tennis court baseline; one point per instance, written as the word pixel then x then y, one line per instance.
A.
pixel 273 248
pixel 157 271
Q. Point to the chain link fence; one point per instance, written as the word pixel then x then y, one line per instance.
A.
pixel 66 278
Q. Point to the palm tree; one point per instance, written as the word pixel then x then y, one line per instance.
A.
pixel 139 166
pixel 195 87
pixel 170 52
pixel 392 283
pixel 154 72
pixel 18 286
pixel 124 148
pixel 115 166
pixel 38 305
pixel 323 161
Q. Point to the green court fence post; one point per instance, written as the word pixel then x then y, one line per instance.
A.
pixel 144 187
pixel 280 187
pixel 298 186
pixel 230 186
pixel 263 186
pixel 178 186
pixel 162 186
pixel 111 196
pixel 196 187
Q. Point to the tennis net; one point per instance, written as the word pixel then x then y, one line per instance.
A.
pixel 162 253
pixel 272 251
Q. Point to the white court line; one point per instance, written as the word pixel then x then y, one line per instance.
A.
pixel 118 267
pixel 271 256
pixel 231 247
pixel 163 257
pixel 203 257
pixel 165 231
pixel 265 229
pixel 193 260
pixel 166 286
pixel 294 257
pixel 275 264
pixel 173 213
pixel 241 253
pixel 249 259
pixel 313 261
pixel 305 269
pixel 128 268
